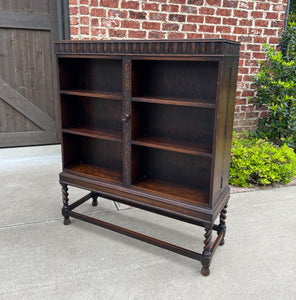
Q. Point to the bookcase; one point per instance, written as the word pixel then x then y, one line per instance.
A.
pixel 149 124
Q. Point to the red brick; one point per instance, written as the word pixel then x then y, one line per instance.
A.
pixel 223 12
pixel 243 70
pixel 195 2
pixel 84 30
pixel 253 47
pixel 117 33
pixel 257 14
pixel 84 10
pixel 230 3
pixel 260 40
pixel 248 93
pixel 137 34
pixel 245 39
pixel 206 28
pixel 213 2
pixel 176 18
pixel 98 12
pixel 94 3
pixel 195 19
pixel 98 32
pixel 240 30
pixel 176 35
pixel 206 11
pixel 240 14
pixel 117 13
pixel 223 29
pixel 275 24
pixel 245 55
pixel 177 1
pixel 240 101
pixel 109 3
pixel 170 27
pixel 156 35
pixel 189 27
pixel 255 31
pixel 211 36
pixel 213 20
pixel 73 10
pixel 74 30
pixel 169 8
pixel 83 2
pixel 246 5
pixel 188 9
pixel 150 6
pixel 84 20
pixel 110 22
pixel 258 55
pixel 137 15
pixel 157 17
pixel 130 4
pixel 130 24
pixel 264 6
pixel 72 2
pixel 269 32
pixel 278 7
pixel 151 25
pixel 261 23
pixel 194 35
pixel 272 15
pixel 230 21
pixel 245 22
pixel 94 22
pixel 251 63
pixel 273 40
pixel 73 21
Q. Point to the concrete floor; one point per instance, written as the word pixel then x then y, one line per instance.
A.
pixel 42 259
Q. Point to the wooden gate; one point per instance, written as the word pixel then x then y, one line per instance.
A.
pixel 28 99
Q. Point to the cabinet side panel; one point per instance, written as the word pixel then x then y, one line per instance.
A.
pixel 224 126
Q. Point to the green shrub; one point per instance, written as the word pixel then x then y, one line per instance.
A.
pixel 288 39
pixel 258 162
pixel 275 88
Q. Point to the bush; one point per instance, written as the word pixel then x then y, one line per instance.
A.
pixel 256 161
pixel 275 88
pixel 288 39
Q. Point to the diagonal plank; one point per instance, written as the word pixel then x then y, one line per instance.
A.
pixel 25 107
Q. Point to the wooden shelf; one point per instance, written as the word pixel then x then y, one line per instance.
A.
pixel 202 103
pixel 173 145
pixel 104 134
pixel 86 93
pixel 172 190
pixel 93 171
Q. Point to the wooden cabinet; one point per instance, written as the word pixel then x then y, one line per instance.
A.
pixel 149 123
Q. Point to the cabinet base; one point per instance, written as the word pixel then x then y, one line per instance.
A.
pixel 204 258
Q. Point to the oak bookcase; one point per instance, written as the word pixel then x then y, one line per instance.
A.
pixel 149 124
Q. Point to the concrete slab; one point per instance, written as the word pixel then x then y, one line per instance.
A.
pixel 41 258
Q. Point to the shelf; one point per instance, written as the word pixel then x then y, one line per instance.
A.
pixel 104 134
pixel 86 93
pixel 172 190
pixel 202 103
pixel 93 171
pixel 172 145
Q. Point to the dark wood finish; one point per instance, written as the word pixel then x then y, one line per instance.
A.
pixel 148 124
pixel 28 88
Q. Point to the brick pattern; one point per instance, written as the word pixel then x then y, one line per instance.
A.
pixel 253 23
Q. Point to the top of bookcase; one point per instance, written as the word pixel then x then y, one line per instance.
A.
pixel 194 47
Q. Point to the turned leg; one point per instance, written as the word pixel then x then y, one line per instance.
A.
pixel 222 225
pixel 65 209
pixel 95 198
pixel 207 253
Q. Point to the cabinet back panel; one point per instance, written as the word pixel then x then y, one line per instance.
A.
pixel 90 74
pixel 176 122
pixel 176 79
pixel 97 152
pixel 179 168
pixel 91 112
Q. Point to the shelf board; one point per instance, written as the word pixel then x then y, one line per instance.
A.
pixel 93 171
pixel 173 145
pixel 172 190
pixel 103 134
pixel 86 93
pixel 202 103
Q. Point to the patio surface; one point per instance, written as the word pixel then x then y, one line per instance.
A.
pixel 40 258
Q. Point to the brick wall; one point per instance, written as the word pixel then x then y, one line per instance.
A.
pixel 252 23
